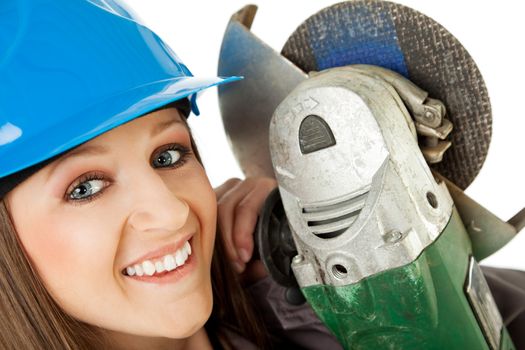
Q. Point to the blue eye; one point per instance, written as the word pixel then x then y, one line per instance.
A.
pixel 167 158
pixel 87 187
pixel 170 157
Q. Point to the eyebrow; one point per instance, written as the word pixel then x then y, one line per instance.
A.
pixel 157 129
pixel 101 149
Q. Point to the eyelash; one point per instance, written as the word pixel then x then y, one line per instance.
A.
pixel 184 155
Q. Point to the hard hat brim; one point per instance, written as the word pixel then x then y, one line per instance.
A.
pixel 98 118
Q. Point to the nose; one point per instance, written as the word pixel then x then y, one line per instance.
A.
pixel 156 207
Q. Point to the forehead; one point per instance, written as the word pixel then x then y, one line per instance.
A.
pixel 154 121
pixel 151 124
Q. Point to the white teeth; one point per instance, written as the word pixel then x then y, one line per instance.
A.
pixel 159 267
pixel 148 267
pixel 169 262
pixel 138 270
pixel 179 257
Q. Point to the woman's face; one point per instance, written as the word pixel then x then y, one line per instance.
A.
pixel 126 201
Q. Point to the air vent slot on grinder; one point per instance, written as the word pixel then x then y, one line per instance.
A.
pixel 332 220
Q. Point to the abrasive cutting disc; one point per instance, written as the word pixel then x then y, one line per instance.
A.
pixel 404 40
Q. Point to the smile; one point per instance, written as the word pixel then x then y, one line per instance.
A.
pixel 168 262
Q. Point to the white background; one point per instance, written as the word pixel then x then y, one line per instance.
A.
pixel 492 31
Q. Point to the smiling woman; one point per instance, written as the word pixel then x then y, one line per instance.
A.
pixel 116 212
pixel 125 209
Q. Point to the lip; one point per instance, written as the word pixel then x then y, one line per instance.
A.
pixel 158 253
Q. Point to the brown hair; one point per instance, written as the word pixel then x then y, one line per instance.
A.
pixel 31 319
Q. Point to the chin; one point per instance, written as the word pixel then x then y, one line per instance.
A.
pixel 189 316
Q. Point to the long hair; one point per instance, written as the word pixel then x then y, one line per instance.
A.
pixel 31 319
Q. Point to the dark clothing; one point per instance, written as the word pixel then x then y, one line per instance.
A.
pixel 299 327
pixel 508 289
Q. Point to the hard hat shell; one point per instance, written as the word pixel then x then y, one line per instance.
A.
pixel 73 69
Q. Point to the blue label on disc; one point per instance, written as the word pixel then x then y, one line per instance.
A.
pixel 367 38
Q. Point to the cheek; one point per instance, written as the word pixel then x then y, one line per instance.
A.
pixel 200 196
pixel 70 252
pixel 206 209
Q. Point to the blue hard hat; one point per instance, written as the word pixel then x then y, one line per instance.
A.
pixel 73 69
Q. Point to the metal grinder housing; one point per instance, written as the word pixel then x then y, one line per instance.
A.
pixel 382 252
